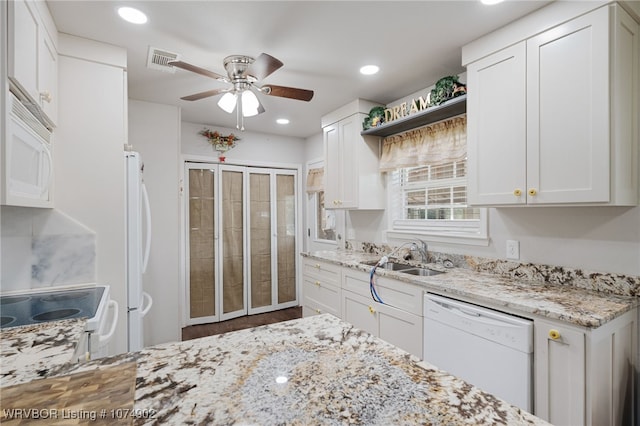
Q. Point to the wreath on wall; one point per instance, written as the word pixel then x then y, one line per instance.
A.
pixel 219 142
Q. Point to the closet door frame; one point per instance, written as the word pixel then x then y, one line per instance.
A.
pixel 201 162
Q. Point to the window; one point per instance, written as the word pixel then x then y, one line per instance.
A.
pixel 325 226
pixel 432 200
pixel 427 184
pixel 325 220
pixel 436 192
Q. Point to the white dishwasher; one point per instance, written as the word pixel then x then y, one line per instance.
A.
pixel 489 349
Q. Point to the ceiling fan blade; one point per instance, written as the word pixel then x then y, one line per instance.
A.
pixel 203 95
pixel 263 66
pixel 197 70
pixel 288 92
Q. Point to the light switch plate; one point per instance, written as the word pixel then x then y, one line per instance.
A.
pixel 513 249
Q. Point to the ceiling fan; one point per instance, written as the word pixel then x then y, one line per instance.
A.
pixel 244 73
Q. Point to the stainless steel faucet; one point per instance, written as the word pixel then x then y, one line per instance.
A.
pixel 422 249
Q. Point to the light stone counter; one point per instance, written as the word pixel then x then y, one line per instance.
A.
pixel 530 293
pixel 317 370
pixel 29 352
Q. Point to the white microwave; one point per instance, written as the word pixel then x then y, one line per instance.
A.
pixel 27 176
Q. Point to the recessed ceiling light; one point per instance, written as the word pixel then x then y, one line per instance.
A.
pixel 282 121
pixel 490 2
pixel 132 15
pixel 369 69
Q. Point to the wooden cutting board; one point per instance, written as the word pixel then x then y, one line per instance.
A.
pixel 102 396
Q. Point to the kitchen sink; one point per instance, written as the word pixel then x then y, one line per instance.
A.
pixel 406 269
pixel 392 266
pixel 422 272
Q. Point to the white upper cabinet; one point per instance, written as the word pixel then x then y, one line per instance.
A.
pixel 552 119
pixel 33 59
pixel 497 145
pixel 352 177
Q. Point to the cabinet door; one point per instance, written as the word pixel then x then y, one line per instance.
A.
pixel 360 311
pixel 48 76
pixel 23 47
pixel 401 329
pixel 321 297
pixel 559 374
pixel 349 136
pixel 332 166
pixel 568 112
pixel 496 128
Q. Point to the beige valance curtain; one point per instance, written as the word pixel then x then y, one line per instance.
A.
pixel 439 143
pixel 315 180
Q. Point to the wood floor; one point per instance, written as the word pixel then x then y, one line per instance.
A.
pixel 196 331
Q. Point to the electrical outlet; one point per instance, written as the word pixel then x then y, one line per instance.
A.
pixel 513 249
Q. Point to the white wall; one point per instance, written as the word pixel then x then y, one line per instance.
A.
pixel 154 131
pixel 313 147
pixel 604 239
pixel 252 148
pixel 89 166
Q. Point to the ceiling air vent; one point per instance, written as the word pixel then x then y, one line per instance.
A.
pixel 158 59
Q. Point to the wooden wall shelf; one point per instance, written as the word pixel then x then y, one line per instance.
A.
pixel 451 108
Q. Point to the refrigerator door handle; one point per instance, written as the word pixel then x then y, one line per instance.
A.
pixel 106 337
pixel 144 310
pixel 147 210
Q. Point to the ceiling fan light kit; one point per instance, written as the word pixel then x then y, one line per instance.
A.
pixel 243 73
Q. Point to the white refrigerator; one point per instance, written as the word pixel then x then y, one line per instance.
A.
pixel 138 218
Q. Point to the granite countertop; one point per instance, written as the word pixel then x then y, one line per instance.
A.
pixel 317 370
pixel 31 351
pixel 524 296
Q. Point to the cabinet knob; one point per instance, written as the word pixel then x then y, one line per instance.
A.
pixel 317 283
pixel 318 311
pixel 317 265
pixel 517 192
pixel 46 96
pixel 373 311
pixel 532 192
pixel 554 334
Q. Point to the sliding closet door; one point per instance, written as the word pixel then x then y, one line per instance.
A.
pixel 286 237
pixel 232 232
pixel 260 216
pixel 272 239
pixel 200 193
pixel 241 237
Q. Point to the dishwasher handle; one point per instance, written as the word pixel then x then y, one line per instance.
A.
pixel 475 316
pixel 467 311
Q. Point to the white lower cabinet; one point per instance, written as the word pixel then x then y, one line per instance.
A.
pixel 393 325
pixel 585 376
pixel 320 297
pixel 581 376
pixel 560 373
pixel 344 292
pixel 321 288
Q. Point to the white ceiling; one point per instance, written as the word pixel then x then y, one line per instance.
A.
pixel 322 45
